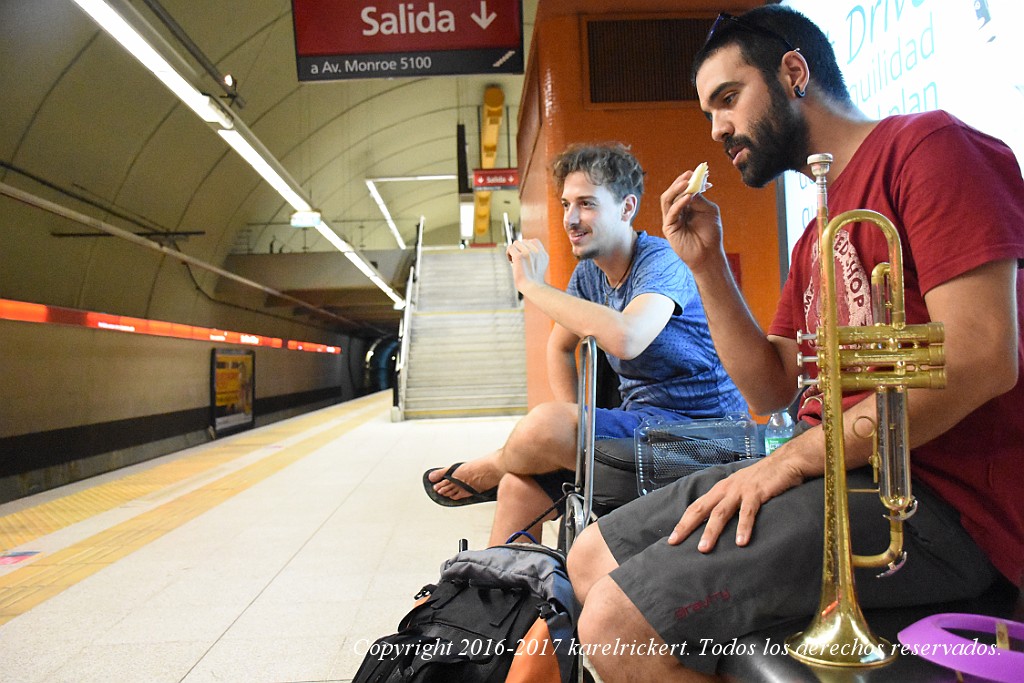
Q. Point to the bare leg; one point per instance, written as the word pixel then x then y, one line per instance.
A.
pixel 520 501
pixel 610 619
pixel 589 561
pixel 543 441
pixel 618 637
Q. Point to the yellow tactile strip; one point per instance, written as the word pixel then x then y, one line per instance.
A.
pixel 46 576
pixel 27 525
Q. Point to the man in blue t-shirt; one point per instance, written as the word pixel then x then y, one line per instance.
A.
pixel 638 299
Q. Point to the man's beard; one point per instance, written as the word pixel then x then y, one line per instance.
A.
pixel 777 143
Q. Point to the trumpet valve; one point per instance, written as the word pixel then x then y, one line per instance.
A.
pixel 802 336
pixel 803 360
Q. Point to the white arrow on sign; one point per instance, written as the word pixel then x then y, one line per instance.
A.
pixel 484 19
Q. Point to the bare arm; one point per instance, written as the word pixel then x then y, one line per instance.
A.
pixel 623 334
pixel 561 353
pixel 981 363
pixel 763 368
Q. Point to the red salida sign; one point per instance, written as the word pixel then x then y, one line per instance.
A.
pixel 495 178
pixel 342 39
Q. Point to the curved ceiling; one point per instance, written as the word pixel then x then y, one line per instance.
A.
pixel 88 127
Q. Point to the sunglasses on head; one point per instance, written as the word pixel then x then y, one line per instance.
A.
pixel 726 20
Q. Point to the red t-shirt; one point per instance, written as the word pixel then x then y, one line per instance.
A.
pixel 957 199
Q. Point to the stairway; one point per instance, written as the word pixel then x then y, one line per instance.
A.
pixel 467 354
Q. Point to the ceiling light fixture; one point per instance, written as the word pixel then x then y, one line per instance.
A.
pixel 371 185
pixel 305 219
pixel 387 214
pixel 369 271
pixel 206 107
pixel 332 237
pixel 467 218
pixel 248 152
pixel 405 178
pixel 236 134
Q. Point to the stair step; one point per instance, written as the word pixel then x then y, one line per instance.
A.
pixel 465 402
pixel 467 351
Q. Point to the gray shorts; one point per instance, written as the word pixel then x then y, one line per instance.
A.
pixel 705 599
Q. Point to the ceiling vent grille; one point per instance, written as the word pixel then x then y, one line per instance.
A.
pixel 642 60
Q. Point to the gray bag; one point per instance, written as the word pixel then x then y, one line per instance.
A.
pixel 661 452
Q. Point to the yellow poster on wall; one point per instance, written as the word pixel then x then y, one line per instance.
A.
pixel 232 390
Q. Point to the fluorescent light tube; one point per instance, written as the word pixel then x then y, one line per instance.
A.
pixel 256 160
pixel 211 111
pixel 467 213
pixel 332 237
pixel 370 272
pixel 387 214
pixel 120 30
pixel 404 178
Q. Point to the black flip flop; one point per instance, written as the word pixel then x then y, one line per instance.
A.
pixel 488 496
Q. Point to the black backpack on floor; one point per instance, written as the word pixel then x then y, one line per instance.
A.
pixel 506 613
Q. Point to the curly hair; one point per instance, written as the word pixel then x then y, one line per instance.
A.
pixel 609 164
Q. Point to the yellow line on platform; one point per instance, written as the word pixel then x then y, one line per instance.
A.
pixel 46 576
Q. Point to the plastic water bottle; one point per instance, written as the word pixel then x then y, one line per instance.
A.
pixel 778 431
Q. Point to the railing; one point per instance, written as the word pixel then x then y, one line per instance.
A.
pixel 580 502
pixel 419 256
pixel 412 291
pixel 509 236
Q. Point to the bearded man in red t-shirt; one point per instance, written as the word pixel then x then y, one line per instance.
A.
pixel 686 566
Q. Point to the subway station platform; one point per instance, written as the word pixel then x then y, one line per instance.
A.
pixel 273 555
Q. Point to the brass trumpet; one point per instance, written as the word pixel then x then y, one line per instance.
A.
pixel 888 357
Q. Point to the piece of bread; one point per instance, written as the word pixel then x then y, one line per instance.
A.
pixel 698 179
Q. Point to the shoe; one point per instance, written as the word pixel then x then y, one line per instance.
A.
pixel 488 496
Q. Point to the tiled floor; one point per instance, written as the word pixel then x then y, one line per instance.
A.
pixel 275 560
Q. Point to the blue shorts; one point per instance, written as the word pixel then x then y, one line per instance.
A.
pixel 615 423
pixel 609 423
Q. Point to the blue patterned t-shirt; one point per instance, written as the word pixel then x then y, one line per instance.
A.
pixel 680 369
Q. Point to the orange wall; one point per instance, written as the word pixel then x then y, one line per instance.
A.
pixel 667 140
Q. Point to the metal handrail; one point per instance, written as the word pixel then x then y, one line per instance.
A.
pixel 403 349
pixel 509 237
pixel 419 247
pixel 412 291
pixel 579 503
pixel 419 255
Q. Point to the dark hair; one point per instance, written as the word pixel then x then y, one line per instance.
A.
pixel 763 51
pixel 609 164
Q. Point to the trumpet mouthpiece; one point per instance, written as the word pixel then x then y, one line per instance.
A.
pixel 820 163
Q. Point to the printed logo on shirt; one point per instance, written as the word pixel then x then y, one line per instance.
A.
pixel 853 289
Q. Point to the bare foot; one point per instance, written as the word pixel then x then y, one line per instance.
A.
pixel 481 474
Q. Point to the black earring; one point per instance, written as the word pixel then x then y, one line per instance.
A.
pixel 798 92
